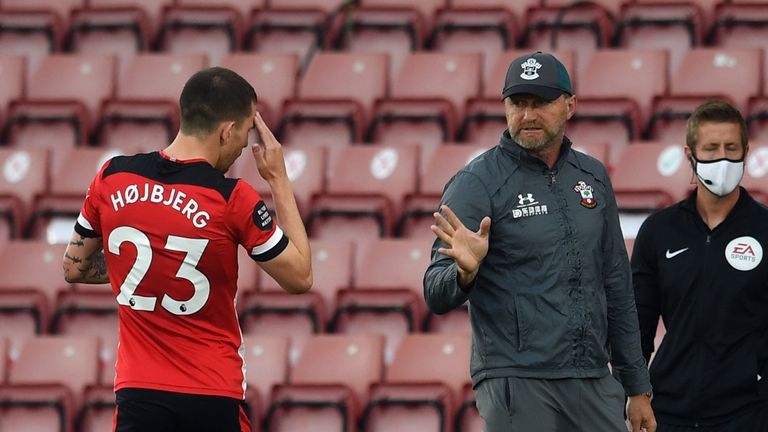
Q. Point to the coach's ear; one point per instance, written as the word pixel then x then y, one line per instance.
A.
pixel 225 132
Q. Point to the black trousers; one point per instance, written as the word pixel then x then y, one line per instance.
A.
pixel 141 410
pixel 750 420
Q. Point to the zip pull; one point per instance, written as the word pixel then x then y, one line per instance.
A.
pixel 552 175
pixel 709 239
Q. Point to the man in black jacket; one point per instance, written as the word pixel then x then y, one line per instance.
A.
pixel 700 265
pixel 529 234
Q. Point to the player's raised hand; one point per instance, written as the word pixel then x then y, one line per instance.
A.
pixel 268 152
pixel 468 248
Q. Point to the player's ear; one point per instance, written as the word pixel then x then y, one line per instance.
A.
pixel 225 131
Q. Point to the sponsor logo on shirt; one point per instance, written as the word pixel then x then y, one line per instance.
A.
pixel 528 206
pixel 744 253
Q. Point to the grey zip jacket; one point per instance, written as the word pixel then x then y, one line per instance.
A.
pixel 553 297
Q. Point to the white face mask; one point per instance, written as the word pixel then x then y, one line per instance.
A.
pixel 721 176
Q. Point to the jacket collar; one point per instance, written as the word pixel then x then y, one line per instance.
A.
pixel 689 205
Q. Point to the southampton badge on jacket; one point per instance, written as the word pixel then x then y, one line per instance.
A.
pixel 585 190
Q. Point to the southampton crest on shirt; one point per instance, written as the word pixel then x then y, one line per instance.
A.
pixel 587 198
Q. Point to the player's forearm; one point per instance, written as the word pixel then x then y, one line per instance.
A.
pixel 91 269
pixel 290 218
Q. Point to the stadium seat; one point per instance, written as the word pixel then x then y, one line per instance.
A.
pixel 730 74
pixel 295 27
pixel 72 362
pixel 3 360
pixel 336 95
pixel 55 212
pixel 25 175
pixel 271 310
pixel 365 192
pixel 467 416
pixel 98 409
pixel 328 385
pixel 36 408
pixel 755 179
pixel 607 154
pixel 145 109
pixel 650 176
pixel 581 27
pixel 757 118
pixel 739 25
pixel 273 76
pixel 637 75
pixel 427 99
pixel 382 300
pixel 267 362
pixel 394 27
pixel 204 27
pixel 13 72
pixel 136 15
pixel 673 26
pixel 434 173
pixel 306 168
pixel 34 28
pixel 467 27
pixel 62 102
pixel 422 385
pixel 90 313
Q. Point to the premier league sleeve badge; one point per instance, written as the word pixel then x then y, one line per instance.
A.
pixel 585 190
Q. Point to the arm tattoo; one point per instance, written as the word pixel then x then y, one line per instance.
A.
pixel 77 242
pixel 74 260
pixel 95 269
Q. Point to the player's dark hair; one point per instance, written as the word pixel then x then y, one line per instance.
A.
pixel 212 96
pixel 714 111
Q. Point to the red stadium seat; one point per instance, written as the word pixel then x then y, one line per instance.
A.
pixel 291 27
pixel 435 172
pixel 62 101
pixel 732 74
pixel 3 360
pixel 637 75
pixel 134 13
pixel 365 192
pixel 34 28
pixel 650 176
pixel 481 28
pixel 422 385
pixel 757 118
pixel 468 417
pixel 267 365
pixel 55 212
pixel 98 411
pixel 72 362
pixel 395 27
pixel 25 175
pixel 673 26
pixel 756 170
pixel 306 168
pixel 13 71
pixel 90 313
pixel 204 27
pixel 33 265
pixel 273 311
pixel 382 300
pixel 580 27
pixel 335 99
pixel 273 76
pixel 36 408
pixel 738 25
pixel 427 99
pixel 328 385
pixel 145 110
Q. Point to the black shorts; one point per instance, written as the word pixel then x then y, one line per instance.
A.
pixel 141 410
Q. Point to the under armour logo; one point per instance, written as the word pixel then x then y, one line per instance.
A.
pixel 525 200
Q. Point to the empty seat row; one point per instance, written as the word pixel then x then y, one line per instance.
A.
pixel 351 97
pixel 340 382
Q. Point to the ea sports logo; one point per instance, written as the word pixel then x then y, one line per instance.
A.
pixel 744 253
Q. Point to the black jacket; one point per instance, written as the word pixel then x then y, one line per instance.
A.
pixel 553 297
pixel 711 289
